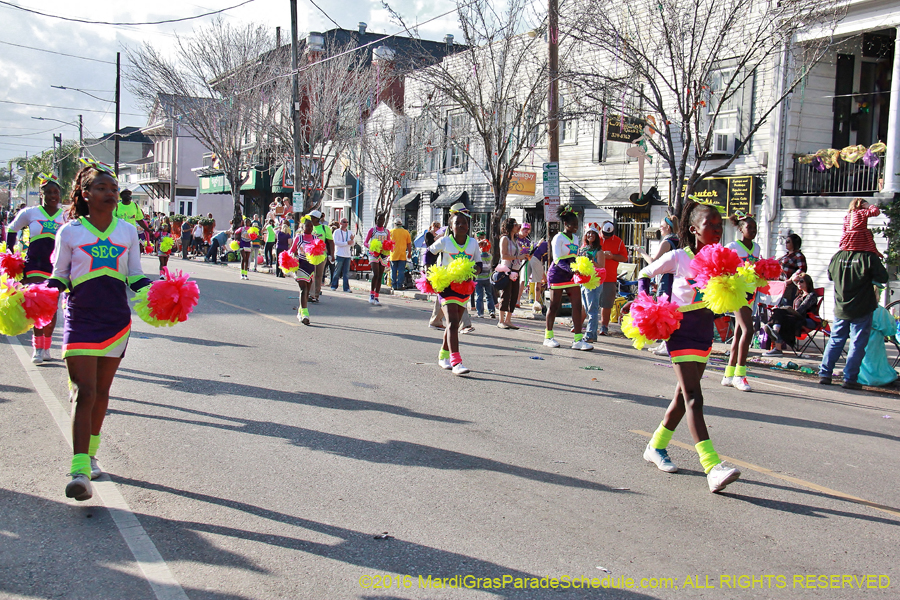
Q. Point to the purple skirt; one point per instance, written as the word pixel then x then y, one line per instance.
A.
pixel 692 341
pixel 560 275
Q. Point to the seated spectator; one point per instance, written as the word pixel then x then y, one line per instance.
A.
pixel 787 322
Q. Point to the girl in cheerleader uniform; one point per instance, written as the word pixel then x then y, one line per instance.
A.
pixel 456 244
pixel 561 278
pixel 305 273
pixel 689 347
pixel 748 251
pixel 43 223
pixel 97 257
pixel 377 262
pixel 245 245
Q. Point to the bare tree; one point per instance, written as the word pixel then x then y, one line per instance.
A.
pixel 493 93
pixel 216 86
pixel 335 93
pixel 386 155
pixel 698 67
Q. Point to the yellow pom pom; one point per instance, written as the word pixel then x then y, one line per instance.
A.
pixel 584 266
pixel 460 270
pixel 234 245
pixel 439 277
pixel 632 333
pixel 375 246
pixel 748 273
pixel 726 293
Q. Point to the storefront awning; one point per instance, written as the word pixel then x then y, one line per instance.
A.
pixel 406 200
pixel 448 199
pixel 522 201
pixel 279 184
pixel 217 184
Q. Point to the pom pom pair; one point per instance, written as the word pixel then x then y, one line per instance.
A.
pixel 718 273
pixel 166 244
pixel 12 265
pixel 375 246
pixel 586 273
pixel 25 306
pixel 253 233
pixel 168 301
pixel 288 263
pixel 424 285
pixel 655 319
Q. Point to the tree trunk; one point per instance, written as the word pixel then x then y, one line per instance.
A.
pixel 496 219
pixel 238 217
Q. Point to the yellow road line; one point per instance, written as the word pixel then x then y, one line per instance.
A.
pixel 788 478
pixel 256 312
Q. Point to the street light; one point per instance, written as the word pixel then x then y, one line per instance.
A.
pixel 80 131
pixel 62 87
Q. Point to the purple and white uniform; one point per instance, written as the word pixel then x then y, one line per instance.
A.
pixel 565 249
pixel 96 266
pixel 42 227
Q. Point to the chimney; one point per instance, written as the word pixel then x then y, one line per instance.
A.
pixel 362 28
pixel 315 41
pixel 448 39
pixel 278 37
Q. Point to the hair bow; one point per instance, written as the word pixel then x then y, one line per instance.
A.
pixel 566 209
pixel 464 212
pixel 102 167
pixel 741 215
pixel 46 178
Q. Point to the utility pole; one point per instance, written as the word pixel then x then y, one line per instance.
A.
pixel 80 138
pixel 118 107
pixel 57 145
pixel 551 169
pixel 295 105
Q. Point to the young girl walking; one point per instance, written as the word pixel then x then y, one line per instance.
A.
pixel 43 222
pixel 747 250
pixel 306 271
pixel 242 235
pixel 561 278
pixel 377 260
pixel 689 346
pixel 97 256
pixel 456 244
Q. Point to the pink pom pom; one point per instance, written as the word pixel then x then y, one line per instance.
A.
pixel 173 298
pixel 252 237
pixel 424 285
pixel 502 269
pixel 600 273
pixel 40 304
pixel 387 246
pixel 581 279
pixel 12 264
pixel 288 262
pixel 466 288
pixel 655 319
pixel 714 260
pixel 768 268
pixel 316 248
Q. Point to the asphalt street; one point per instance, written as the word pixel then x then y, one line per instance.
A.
pixel 264 459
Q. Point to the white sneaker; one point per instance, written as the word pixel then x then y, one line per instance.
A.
pixel 460 369
pixel 661 350
pixel 581 345
pixel 727 381
pixel 96 471
pixel 38 357
pixel 444 363
pixel 376 302
pixel 551 343
pixel 720 476
pixel 45 354
pixel 741 384
pixel 660 458
pixel 371 300
pixel 79 488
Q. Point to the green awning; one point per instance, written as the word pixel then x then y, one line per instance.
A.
pixel 217 184
pixel 279 185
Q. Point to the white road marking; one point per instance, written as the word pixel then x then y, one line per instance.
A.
pixel 147 557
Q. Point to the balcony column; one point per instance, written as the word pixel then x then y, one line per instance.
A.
pixel 892 157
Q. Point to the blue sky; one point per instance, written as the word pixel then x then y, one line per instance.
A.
pixel 28 74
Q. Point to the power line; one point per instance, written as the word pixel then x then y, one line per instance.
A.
pixel 59 53
pixel 66 108
pixel 325 13
pixel 74 20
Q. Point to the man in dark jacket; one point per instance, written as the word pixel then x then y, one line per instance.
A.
pixel 854 275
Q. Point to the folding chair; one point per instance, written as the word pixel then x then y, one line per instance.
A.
pixel 808 335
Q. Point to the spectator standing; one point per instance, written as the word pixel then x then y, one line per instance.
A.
pixel 401 253
pixel 343 241
pixel 614 252
pixel 590 299
pixel 669 230
pixel 270 241
pixel 512 258
pixel 854 275
pixel 483 288
pixel 185 239
pixel 198 237
pixel 537 274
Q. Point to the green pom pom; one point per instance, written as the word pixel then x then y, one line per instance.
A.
pixel 727 293
pixel 234 245
pixel 13 320
pixel 142 308
pixel 166 244
pixel 375 246
pixel 439 277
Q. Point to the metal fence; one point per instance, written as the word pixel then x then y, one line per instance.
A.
pixel 848 179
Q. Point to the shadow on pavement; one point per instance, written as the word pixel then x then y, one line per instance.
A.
pixel 208 387
pixel 806 510
pixel 186 340
pixel 392 452
pixel 359 548
pixel 801 490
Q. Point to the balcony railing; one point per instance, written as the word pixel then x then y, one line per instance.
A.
pixel 153 172
pixel 849 179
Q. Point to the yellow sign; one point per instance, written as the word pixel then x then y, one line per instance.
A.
pixel 523 183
